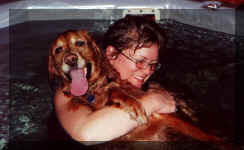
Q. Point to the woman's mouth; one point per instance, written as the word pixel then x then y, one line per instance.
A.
pixel 140 78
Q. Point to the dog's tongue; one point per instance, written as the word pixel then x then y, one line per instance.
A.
pixel 79 84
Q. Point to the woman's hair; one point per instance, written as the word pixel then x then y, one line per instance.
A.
pixel 134 32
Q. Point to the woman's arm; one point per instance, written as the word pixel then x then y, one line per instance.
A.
pixel 102 125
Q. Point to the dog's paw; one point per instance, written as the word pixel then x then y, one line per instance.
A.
pixel 133 107
pixel 137 112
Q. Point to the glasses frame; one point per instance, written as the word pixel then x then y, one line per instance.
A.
pixel 157 67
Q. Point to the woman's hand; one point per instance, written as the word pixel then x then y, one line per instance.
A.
pixel 161 101
pixel 166 102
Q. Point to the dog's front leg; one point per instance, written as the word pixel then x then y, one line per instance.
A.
pixel 129 104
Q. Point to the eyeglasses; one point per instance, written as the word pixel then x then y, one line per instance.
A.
pixel 142 64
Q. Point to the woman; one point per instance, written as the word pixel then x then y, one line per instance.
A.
pixel 132 47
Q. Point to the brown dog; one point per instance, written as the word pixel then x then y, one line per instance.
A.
pixel 77 66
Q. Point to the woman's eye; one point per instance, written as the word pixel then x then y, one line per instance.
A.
pixel 58 50
pixel 79 43
pixel 140 61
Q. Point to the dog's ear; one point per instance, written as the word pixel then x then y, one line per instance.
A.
pixel 95 47
pixel 51 66
pixel 52 72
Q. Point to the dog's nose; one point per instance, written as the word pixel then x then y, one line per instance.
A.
pixel 71 60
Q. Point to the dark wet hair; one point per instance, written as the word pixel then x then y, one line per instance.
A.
pixel 134 32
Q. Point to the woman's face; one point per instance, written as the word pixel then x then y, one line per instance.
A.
pixel 128 69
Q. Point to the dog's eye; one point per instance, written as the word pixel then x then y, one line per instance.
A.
pixel 79 43
pixel 58 50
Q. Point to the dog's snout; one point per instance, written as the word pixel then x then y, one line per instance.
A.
pixel 71 60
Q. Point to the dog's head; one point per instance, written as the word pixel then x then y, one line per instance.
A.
pixel 74 58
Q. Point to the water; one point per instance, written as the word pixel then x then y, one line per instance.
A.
pixel 199 67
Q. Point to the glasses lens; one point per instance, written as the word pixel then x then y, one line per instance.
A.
pixel 143 64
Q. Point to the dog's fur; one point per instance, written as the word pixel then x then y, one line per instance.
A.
pixel 109 90
pixel 76 50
